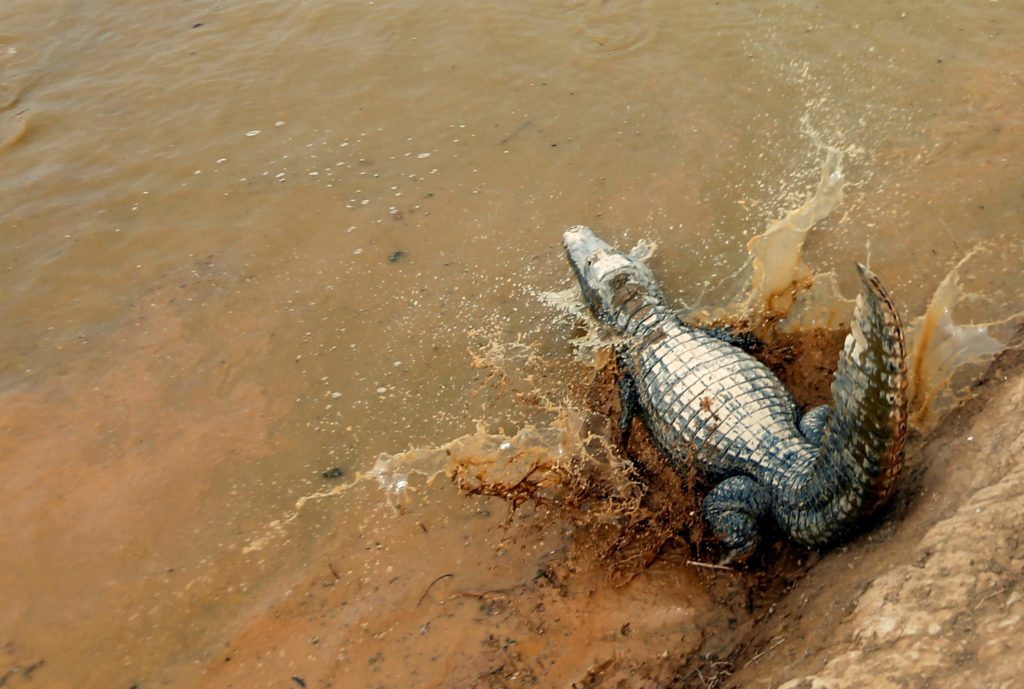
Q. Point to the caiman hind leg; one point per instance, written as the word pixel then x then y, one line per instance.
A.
pixel 812 425
pixel 733 509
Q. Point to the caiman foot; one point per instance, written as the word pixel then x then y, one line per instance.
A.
pixel 733 509
pixel 812 425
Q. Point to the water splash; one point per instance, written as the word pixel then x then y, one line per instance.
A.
pixel 776 256
pixel 943 356
pixel 776 285
pixel 786 295
pixel 397 475
pixel 501 461
pixel 941 352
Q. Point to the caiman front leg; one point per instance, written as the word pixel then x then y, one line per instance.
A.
pixel 629 399
pixel 733 509
pixel 629 407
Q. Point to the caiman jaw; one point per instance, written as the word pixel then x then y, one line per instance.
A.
pixel 584 250
pixel 607 276
pixel 594 261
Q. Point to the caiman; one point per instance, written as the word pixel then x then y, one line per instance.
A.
pixel 710 405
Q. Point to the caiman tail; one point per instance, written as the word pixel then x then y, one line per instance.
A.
pixel 870 392
pixel 860 456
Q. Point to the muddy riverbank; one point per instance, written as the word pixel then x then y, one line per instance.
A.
pixel 562 595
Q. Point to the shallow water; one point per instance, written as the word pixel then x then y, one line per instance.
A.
pixel 251 242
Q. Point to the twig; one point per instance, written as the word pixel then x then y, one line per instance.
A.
pixel 479 595
pixel 778 642
pixel 708 565
pixel 535 468
pixel 430 585
pixel 516 132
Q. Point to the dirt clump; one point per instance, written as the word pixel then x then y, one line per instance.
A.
pixel 626 503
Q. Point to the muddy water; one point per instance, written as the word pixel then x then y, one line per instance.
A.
pixel 249 243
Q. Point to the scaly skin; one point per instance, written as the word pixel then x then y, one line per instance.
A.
pixel 709 403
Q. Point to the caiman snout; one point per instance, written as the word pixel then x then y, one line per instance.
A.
pixel 583 246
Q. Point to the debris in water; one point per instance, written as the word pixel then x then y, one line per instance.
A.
pixel 431 585
pixel 333 472
pixel 516 132
pixel 396 256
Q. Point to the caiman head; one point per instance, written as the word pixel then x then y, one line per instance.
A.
pixel 608 278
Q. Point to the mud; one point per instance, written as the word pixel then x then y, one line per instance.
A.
pixel 596 572
pixel 805 361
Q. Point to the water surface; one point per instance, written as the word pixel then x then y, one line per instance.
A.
pixel 248 243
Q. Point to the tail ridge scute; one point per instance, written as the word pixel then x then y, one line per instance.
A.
pixel 864 437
